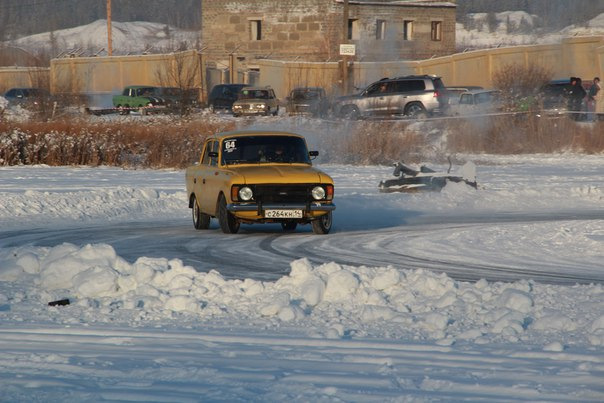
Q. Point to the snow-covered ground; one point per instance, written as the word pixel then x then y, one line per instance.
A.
pixel 154 328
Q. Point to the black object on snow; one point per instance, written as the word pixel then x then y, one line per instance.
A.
pixel 60 302
pixel 426 179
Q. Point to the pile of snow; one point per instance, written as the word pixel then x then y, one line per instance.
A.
pixel 126 37
pixel 335 300
pixel 480 36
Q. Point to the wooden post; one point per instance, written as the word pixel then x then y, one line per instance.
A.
pixel 109 45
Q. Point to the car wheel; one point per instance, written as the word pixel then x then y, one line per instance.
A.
pixel 200 220
pixel 416 111
pixel 322 225
pixel 228 222
pixel 289 225
pixel 122 110
pixel 276 112
pixel 350 112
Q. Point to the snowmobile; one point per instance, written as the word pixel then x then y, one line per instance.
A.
pixel 426 179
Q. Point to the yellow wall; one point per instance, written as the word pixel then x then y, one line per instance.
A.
pixel 111 74
pixel 576 56
pixel 12 77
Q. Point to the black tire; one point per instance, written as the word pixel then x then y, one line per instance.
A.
pixel 200 220
pixel 416 111
pixel 289 225
pixel 228 222
pixel 276 112
pixel 322 225
pixel 122 110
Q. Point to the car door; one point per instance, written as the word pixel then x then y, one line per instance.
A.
pixel 206 183
pixel 376 98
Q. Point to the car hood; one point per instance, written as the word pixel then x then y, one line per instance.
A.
pixel 281 173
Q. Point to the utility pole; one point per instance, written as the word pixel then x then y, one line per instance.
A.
pixel 109 46
pixel 344 67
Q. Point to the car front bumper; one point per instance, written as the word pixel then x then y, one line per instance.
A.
pixel 312 206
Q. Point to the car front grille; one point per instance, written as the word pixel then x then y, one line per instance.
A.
pixel 282 193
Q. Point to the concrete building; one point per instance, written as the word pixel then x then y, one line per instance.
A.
pixel 238 32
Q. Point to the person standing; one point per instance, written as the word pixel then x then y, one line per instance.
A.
pixel 593 97
pixel 576 93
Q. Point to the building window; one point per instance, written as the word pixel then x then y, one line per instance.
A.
pixel 380 29
pixel 353 29
pixel 436 31
pixel 255 30
pixel 407 30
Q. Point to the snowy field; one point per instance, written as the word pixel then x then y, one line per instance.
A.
pixel 400 325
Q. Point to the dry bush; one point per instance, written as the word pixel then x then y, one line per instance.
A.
pixel 376 143
pixel 122 144
pixel 523 134
pixel 178 143
pixel 520 85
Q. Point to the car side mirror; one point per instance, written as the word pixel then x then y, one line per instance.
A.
pixel 313 154
pixel 213 154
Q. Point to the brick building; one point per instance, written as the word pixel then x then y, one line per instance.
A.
pixel 312 30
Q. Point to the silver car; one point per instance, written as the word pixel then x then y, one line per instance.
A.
pixel 413 96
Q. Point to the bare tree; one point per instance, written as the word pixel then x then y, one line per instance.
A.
pixel 181 71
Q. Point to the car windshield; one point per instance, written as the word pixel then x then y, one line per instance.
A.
pixel 264 149
pixel 254 94
pixel 302 95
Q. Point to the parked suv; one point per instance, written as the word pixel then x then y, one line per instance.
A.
pixel 222 96
pixel 413 96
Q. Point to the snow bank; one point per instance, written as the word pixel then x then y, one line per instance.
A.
pixel 333 300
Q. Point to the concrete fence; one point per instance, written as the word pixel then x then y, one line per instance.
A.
pixel 576 56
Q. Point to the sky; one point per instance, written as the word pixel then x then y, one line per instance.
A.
pixel 267 316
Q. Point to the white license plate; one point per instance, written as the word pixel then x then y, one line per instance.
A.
pixel 283 213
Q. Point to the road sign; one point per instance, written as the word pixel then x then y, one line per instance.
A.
pixel 347 49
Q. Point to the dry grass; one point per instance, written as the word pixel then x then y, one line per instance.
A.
pixel 523 134
pixel 177 143
pixel 122 144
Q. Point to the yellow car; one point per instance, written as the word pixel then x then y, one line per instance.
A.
pixel 257 177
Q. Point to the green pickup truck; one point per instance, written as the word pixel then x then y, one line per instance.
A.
pixel 138 97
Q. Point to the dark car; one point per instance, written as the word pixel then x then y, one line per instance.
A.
pixel 412 96
pixel 307 101
pixel 223 96
pixel 554 94
pixel 26 96
pixel 177 98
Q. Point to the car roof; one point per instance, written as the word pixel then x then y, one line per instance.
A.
pixel 480 91
pixel 245 133
pixel 257 88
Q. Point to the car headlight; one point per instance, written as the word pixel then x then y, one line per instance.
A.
pixel 236 106
pixel 245 193
pixel 260 106
pixel 318 193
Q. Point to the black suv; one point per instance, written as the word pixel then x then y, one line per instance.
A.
pixel 413 96
pixel 222 96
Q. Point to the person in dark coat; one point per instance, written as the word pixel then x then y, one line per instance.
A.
pixel 576 93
